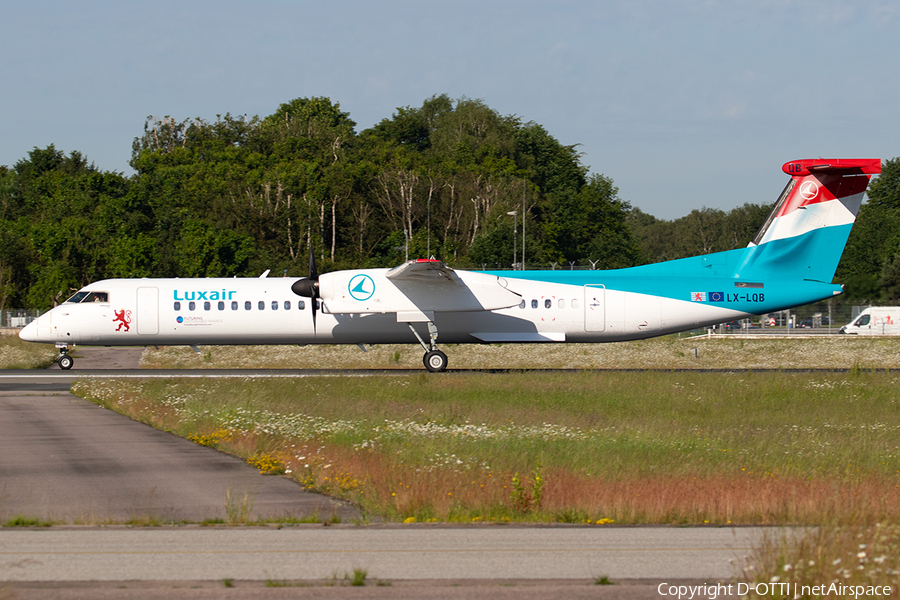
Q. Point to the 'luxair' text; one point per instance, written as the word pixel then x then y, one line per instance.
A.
pixel 205 295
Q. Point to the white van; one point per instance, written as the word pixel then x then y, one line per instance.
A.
pixel 875 320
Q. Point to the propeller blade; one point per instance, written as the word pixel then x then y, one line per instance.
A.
pixel 309 287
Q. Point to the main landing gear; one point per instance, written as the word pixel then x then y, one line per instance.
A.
pixel 65 361
pixel 435 360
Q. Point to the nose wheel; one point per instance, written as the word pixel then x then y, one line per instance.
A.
pixel 65 361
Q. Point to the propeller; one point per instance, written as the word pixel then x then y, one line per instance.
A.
pixel 309 287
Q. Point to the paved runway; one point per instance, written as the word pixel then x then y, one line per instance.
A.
pixel 386 552
pixel 63 458
pixel 68 460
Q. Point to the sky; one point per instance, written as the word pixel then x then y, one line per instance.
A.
pixel 683 104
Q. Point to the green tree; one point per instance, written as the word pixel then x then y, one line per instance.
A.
pixel 868 267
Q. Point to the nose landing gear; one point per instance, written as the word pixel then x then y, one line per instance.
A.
pixel 64 360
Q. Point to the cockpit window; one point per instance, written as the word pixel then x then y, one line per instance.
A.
pixel 78 297
pixel 81 297
pixel 101 297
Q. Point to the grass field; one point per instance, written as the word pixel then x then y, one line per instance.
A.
pixel 598 447
pixel 16 354
pixel 574 447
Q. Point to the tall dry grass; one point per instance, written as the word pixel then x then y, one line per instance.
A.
pixel 853 558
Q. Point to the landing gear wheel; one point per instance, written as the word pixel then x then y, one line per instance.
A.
pixel 66 362
pixel 435 361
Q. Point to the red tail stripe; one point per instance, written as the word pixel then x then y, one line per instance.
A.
pixel 846 166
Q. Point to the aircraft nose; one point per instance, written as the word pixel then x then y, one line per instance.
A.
pixel 29 332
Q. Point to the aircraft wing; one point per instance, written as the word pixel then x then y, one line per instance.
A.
pixel 417 287
pixel 429 285
pixel 423 270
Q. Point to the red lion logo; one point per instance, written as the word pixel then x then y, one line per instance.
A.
pixel 123 317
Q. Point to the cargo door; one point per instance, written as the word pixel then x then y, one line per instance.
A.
pixel 594 308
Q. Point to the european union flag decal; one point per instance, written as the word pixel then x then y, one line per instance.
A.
pixel 716 296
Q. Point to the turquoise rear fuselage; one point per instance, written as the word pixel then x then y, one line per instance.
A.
pixel 755 280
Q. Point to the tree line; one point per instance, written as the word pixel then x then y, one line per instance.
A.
pixel 240 195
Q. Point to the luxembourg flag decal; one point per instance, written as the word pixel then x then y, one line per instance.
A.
pixel 698 296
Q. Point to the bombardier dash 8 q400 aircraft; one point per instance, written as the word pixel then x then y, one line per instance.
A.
pixel 790 262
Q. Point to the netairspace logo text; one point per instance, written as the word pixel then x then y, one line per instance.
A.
pixel 780 590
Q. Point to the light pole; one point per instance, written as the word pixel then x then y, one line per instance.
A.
pixel 515 217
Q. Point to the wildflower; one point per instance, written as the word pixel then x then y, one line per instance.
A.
pixel 787 568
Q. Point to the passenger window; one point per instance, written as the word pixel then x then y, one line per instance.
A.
pixel 301 304
pixel 234 305
pixel 548 303
pixel 206 306
pixel 534 304
pixel 192 305
pixel 221 305
pixel 274 304
pixel 574 302
pixel 178 306
pixel 522 303
pixel 248 305
pixel 287 305
pixel 562 302
pixel 262 305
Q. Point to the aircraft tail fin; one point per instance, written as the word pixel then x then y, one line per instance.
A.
pixel 805 234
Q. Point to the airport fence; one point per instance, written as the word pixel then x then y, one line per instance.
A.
pixel 16 318
pixel 820 318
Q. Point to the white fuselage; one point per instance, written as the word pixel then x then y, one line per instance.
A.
pixel 266 311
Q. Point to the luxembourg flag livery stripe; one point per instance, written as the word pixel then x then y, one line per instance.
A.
pixel 707 296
